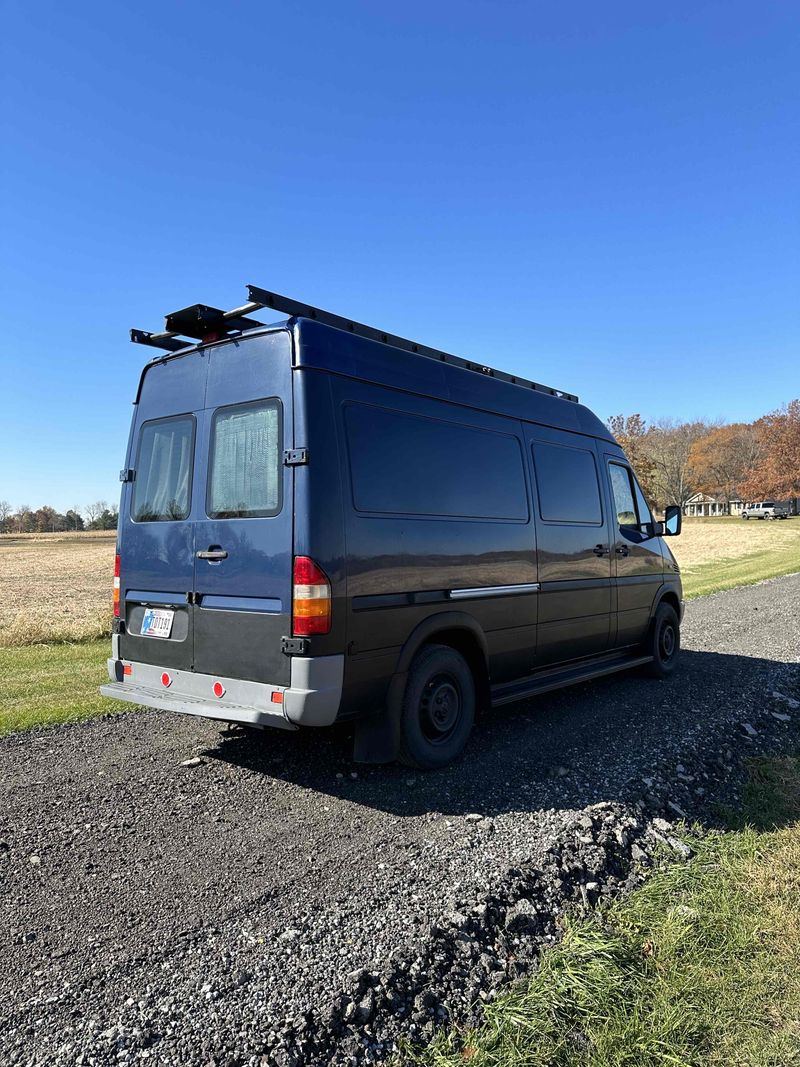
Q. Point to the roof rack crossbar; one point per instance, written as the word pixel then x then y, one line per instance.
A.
pixel 200 320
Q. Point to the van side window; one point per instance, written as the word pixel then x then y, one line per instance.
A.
pixel 244 467
pixel 162 487
pixel 624 502
pixel 566 480
pixel 411 465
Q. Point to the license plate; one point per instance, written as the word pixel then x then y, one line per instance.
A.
pixel 157 622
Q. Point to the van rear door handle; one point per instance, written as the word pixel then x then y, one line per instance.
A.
pixel 600 550
pixel 213 554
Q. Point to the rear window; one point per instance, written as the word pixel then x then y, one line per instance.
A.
pixel 162 488
pixel 566 480
pixel 408 465
pixel 244 479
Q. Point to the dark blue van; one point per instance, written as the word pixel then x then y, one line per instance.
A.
pixel 321 522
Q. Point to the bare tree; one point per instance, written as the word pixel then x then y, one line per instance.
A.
pixel 5 512
pixel 668 445
pixel 95 510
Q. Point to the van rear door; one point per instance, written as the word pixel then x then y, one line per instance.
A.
pixel 244 529
pixel 156 533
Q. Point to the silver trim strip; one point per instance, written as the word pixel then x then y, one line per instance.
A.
pixel 494 590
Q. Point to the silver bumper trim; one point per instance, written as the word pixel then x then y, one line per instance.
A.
pixel 312 698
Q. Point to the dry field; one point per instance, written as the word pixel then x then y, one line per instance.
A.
pixel 707 542
pixel 57 587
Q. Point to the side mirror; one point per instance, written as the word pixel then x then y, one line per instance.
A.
pixel 672 520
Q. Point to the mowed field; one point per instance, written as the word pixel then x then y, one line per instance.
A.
pixel 57 587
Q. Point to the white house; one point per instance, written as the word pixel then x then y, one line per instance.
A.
pixel 703 504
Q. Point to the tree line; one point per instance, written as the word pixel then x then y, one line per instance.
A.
pixel 730 461
pixel 24 519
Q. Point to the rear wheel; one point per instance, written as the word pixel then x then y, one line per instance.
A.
pixel 745 516
pixel 438 708
pixel 664 642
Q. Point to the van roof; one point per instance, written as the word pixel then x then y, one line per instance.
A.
pixel 366 353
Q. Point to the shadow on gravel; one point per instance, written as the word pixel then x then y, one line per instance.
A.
pixel 600 741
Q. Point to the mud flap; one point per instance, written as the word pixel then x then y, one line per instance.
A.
pixel 376 737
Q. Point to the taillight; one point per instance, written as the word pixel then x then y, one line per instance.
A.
pixel 116 586
pixel 311 599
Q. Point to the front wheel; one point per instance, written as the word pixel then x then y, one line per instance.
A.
pixel 745 516
pixel 664 642
pixel 438 708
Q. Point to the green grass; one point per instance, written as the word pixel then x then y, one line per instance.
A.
pixel 45 684
pixel 700 967
pixel 722 574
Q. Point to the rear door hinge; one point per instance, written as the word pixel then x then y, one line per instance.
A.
pixel 294 646
pixel 127 475
pixel 295 457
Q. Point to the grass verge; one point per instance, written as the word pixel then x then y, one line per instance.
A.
pixel 46 684
pixel 728 573
pixel 700 967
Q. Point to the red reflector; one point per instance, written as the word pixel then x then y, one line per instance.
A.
pixel 116 565
pixel 219 689
pixel 127 668
pixel 277 698
pixel 166 681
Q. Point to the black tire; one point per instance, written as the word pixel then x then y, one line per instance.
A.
pixel 745 516
pixel 438 708
pixel 664 642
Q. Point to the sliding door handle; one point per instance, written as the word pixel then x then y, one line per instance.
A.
pixel 213 554
pixel 600 550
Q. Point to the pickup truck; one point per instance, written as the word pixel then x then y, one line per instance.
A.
pixel 764 509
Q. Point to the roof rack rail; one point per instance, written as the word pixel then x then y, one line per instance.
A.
pixel 206 324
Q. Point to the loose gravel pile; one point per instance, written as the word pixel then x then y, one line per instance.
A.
pixel 175 893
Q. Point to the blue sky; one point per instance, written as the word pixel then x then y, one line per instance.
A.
pixel 603 197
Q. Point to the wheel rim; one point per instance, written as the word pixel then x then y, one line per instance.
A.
pixel 440 708
pixel 668 642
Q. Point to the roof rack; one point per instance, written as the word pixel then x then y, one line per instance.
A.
pixel 203 323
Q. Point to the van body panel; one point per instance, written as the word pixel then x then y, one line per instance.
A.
pixel 370 361
pixel 404 563
pixel 575 571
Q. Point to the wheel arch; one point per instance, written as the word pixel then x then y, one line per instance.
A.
pixel 668 596
pixel 459 631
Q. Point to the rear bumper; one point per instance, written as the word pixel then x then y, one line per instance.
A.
pixel 312 698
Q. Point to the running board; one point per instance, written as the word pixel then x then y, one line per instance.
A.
pixel 559 679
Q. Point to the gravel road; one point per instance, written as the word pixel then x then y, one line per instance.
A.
pixel 262 904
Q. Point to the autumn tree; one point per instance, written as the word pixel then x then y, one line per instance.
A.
pixel 630 432
pixel 668 445
pixel 722 460
pixel 5 514
pixel 776 472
